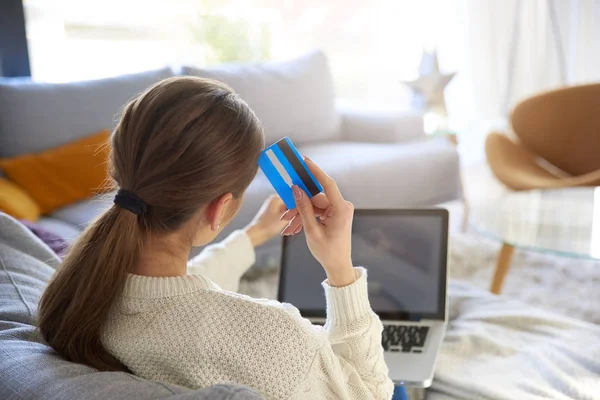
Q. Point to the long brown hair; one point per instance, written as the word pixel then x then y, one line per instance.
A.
pixel 178 146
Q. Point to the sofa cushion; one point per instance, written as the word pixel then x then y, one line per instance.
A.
pixel 50 238
pixel 62 175
pixel 60 228
pixel 389 175
pixel 80 214
pixel 29 369
pixel 15 200
pixel 36 116
pixel 292 98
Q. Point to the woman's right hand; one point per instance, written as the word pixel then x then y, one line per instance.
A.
pixel 328 239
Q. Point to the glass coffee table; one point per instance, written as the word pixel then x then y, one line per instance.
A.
pixel 563 222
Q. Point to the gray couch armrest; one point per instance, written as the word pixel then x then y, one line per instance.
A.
pixel 362 123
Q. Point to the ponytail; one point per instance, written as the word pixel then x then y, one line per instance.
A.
pixel 178 146
pixel 75 306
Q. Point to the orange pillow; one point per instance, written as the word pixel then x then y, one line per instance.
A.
pixel 63 175
pixel 16 202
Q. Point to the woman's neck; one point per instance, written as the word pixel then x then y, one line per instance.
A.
pixel 163 257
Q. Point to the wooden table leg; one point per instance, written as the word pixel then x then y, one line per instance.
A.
pixel 502 266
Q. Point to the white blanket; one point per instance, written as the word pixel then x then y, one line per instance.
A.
pixel 500 349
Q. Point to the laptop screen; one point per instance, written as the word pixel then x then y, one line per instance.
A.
pixel 404 252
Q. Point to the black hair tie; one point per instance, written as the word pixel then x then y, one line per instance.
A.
pixel 130 202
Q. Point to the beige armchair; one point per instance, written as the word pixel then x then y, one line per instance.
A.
pixel 556 143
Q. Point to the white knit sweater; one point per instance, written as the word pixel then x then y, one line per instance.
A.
pixel 195 331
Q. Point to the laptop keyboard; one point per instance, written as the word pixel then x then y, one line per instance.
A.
pixel 404 338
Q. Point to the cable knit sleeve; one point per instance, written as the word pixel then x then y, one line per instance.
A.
pixel 283 356
pixel 224 263
pixel 352 360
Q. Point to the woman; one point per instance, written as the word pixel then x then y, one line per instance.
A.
pixel 125 297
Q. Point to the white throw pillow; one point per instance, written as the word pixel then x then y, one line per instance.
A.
pixel 292 98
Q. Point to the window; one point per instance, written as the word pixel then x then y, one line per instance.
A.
pixel 372 45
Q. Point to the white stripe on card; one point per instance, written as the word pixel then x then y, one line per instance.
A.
pixel 279 167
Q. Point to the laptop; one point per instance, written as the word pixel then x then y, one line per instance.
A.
pixel 405 254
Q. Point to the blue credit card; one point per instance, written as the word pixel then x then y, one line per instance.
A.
pixel 284 167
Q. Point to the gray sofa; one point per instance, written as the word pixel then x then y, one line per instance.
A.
pixel 380 157
pixel 30 369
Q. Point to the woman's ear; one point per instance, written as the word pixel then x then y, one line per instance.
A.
pixel 216 213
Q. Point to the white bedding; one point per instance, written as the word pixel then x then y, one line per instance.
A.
pixel 500 349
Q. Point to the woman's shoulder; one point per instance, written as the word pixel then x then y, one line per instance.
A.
pixel 230 308
pixel 194 300
pixel 202 296
pixel 236 303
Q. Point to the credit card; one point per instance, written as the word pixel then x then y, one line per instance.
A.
pixel 284 167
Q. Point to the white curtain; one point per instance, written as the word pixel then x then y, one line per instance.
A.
pixel 489 38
